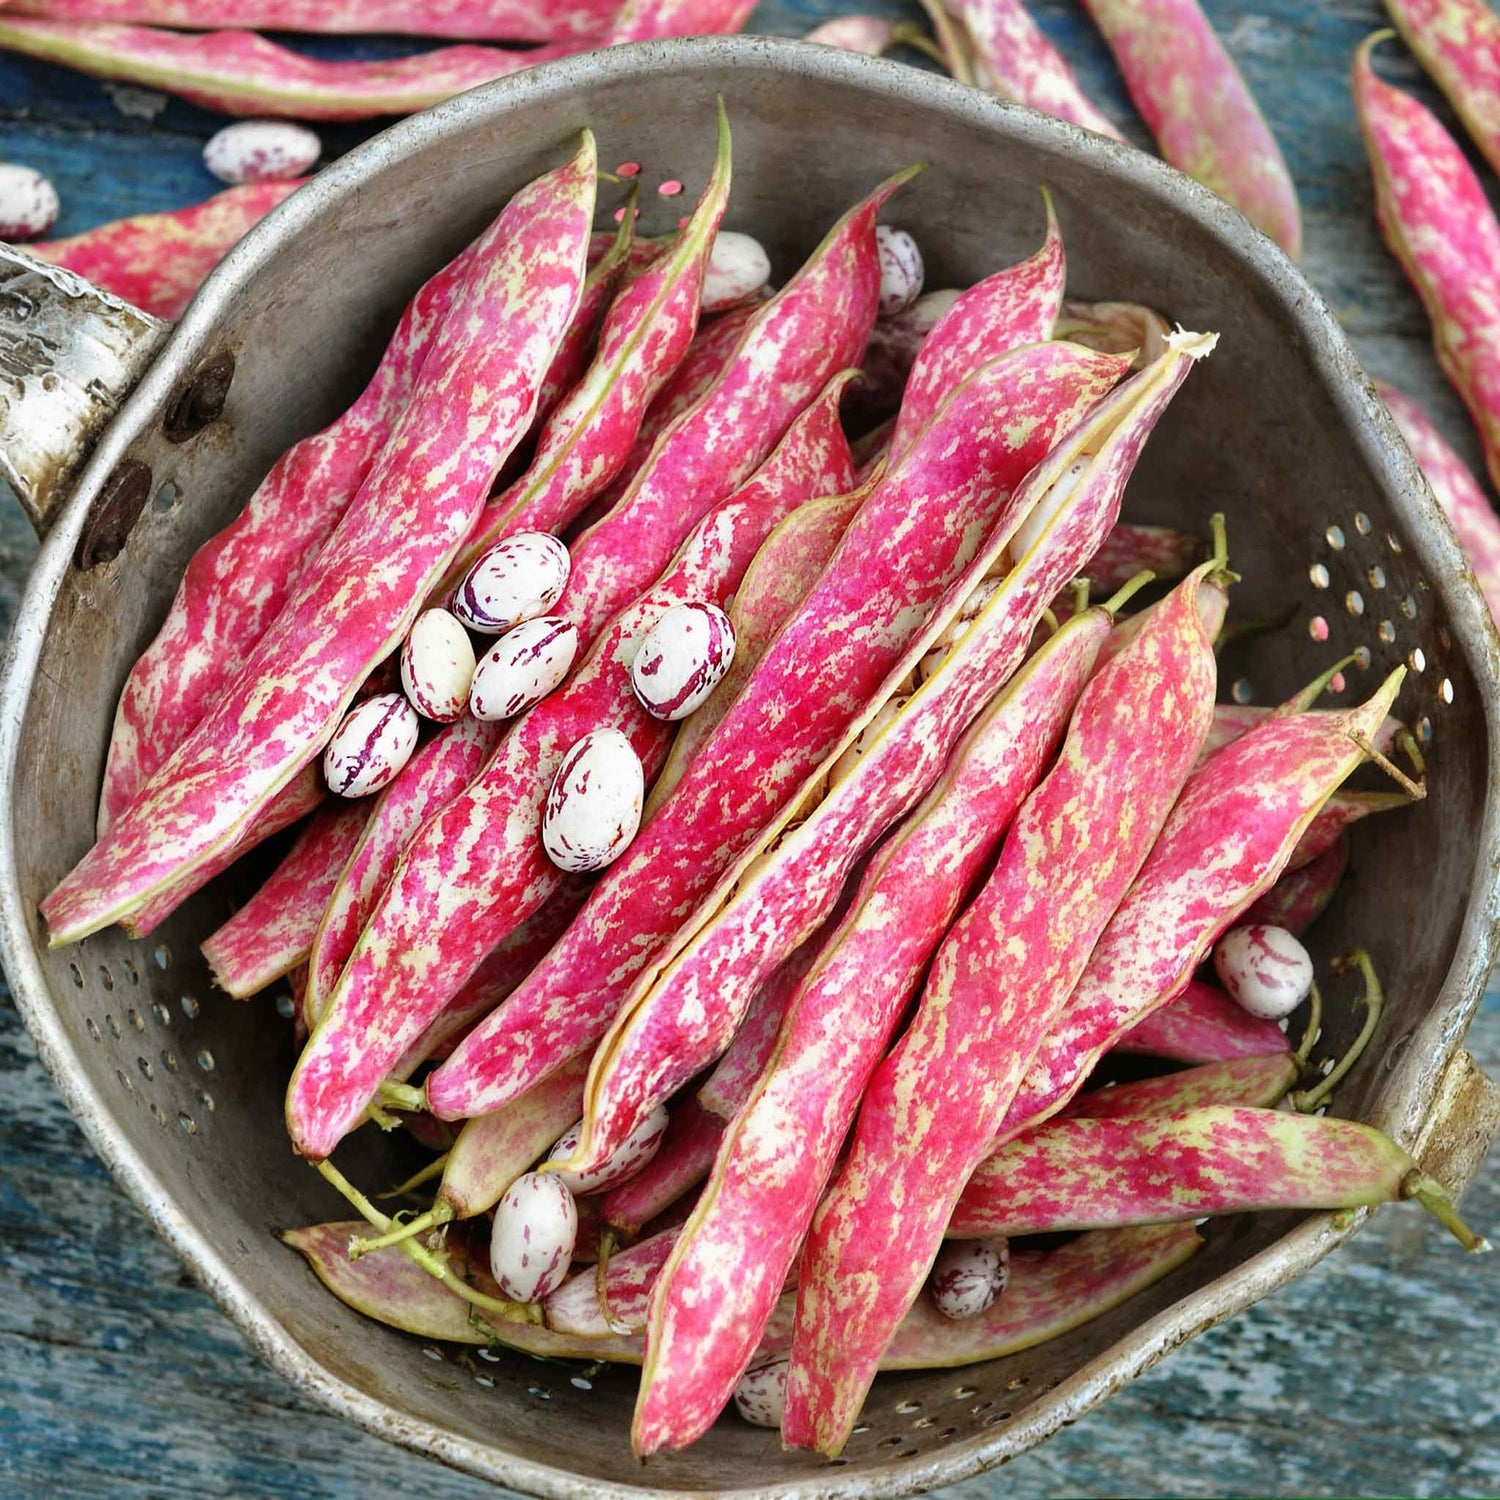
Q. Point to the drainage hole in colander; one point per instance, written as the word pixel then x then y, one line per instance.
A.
pixel 1408 606
pixel 1317 628
pixel 862 1427
pixel 162 954
pixel 105 977
pixel 92 1029
pixel 1362 523
pixel 1386 630
pixel 136 1019
pixel 162 1014
pixel 907 1453
pixel 487 1381
pixel 894 1441
pixel 1376 575
pixel 1445 641
pixel 124 1078
pixel 1354 602
pixel 188 1123
pixel 947 1434
pixel 1362 658
pixel 579 1383
pixel 837 1463
pixel 1318 575
pixel 1417 661
pixel 982 1406
pixel 205 1059
pixel 147 1071
pixel 77 974
pixel 490 1356
pixel 906 1408
pixel 114 1027
pixel 169 1060
pixel 1018 1382
pixel 1243 691
pixel 1424 730
pixel 540 1392
pixel 206 1100
pixel 1393 541
pixel 1335 535
pixel 167 495
pixel 964 1392
pixel 924 1422
pixel 190 1006
pixel 284 1007
pixel 158 1114
pixel 132 973
pixel 433 1352
pixel 1445 690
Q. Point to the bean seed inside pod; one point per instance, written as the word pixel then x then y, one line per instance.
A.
pixel 760 1397
pixel 969 1275
pixel 867 736
pixel 594 806
pixel 1265 970
pixel 261 151
pixel 28 203
pixel 901 270
pixel 522 667
pixel 531 1244
pixel 369 749
pixel 623 1163
pixel 682 659
pixel 437 665
pixel 516 580
pixel 738 267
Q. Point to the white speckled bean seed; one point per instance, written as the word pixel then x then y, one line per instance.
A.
pixel 901 271
pixel 969 1275
pixel 522 667
pixel 760 1397
pixel 594 806
pixel 1040 516
pixel 516 580
pixel 738 267
pixel 633 1153
pixel 682 659
pixel 1265 970
pixel 28 203
pixel 437 665
pixel 261 151
pixel 371 746
pixel 972 606
pixel 531 1244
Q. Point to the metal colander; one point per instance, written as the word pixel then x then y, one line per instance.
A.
pixel 180 1089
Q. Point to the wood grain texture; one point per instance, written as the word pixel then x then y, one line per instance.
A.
pixel 1378 1374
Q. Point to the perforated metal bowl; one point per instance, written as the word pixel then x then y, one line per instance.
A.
pixel 180 1089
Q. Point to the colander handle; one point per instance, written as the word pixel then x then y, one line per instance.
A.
pixel 1461 1126
pixel 69 356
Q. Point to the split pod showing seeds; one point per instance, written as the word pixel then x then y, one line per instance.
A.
pixel 1264 970
pixel 634 1154
pixel 737 269
pixel 969 1275
pixel 901 270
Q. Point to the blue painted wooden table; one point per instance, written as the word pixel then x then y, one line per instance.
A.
pixel 1379 1374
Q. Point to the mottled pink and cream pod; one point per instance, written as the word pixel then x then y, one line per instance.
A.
pixel 1011 56
pixel 1070 1174
pixel 593 806
pixel 635 1152
pixel 682 659
pixel 968 1275
pixel 575 1307
pixel 1129 549
pixel 355 601
pixel 1201 1024
pixel 261 151
pixel 371 746
pixel 29 204
pixel 486 20
pixel 478 868
pixel 1115 327
pixel 531 1241
pixel 870 35
pixel 1229 838
pixel 437 666
pixel 241 73
pixel 158 261
pixel 1457 491
pixel 651 20
pixel 522 667
pixel 273 931
pixel 1251 1082
pixel 1300 897
pixel 1200 110
pixel 995 986
pixel 1264 970
pixel 1436 218
pixel 687 1153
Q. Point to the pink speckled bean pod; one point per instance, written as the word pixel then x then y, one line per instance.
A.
pixel 158 261
pixel 1250 1082
pixel 1437 221
pixel 1301 896
pixel 355 602
pixel 489 21
pixel 1202 1024
pixel 1200 109
pixel 241 73
pixel 272 932
pixel 686 1155
pixel 1010 55
pixel 1128 549
pixel 1456 489
pixel 1227 842
pixel 995 987
pixel 1115 1173
pixel 1337 815
pixel 870 35
pixel 650 20
pixel 805 701
pixel 575 1307
pixel 680 1016
pixel 1458 43
pixel 710 1306
pixel 1016 306
pixel 477 868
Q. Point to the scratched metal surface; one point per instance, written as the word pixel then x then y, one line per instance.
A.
pixel 1379 1374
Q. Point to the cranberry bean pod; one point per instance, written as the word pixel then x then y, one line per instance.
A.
pixel 1458 43
pixel 493 20
pixel 1202 1024
pixel 355 602
pixel 478 868
pixel 895 559
pixel 273 931
pixel 1301 896
pixel 871 35
pixel 1200 110
pixel 996 985
pixel 1250 1082
pixel 1115 1173
pixel 1011 57
pixel 686 1156
pixel 709 1309
pixel 1129 549
pixel 1338 814
pixel 1228 840
pixel 1456 490
pixel 651 20
pixel 681 1016
pixel 1437 221
pixel 158 261
pixel 574 1308
pixel 241 73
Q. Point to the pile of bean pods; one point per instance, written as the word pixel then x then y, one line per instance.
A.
pixel 754 920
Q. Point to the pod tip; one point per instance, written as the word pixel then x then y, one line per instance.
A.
pixel 1193 345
